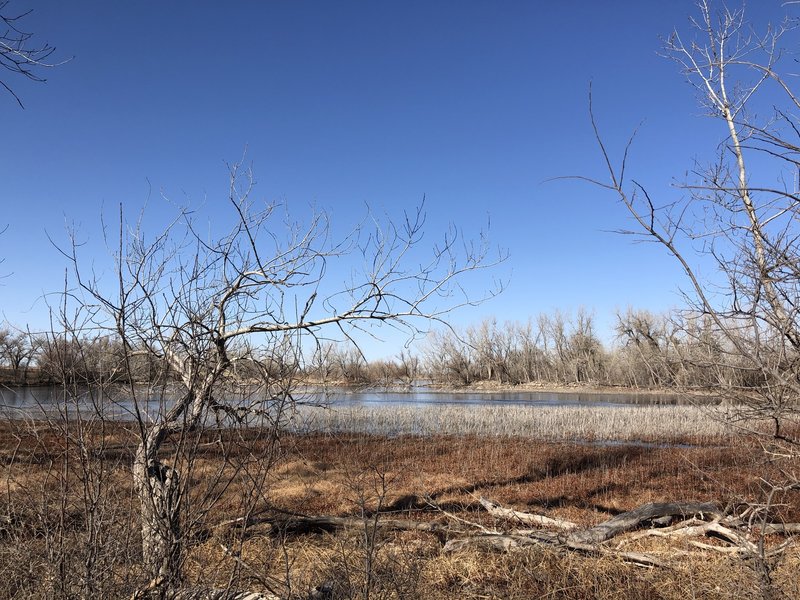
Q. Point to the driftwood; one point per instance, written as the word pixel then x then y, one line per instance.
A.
pixel 635 518
pixel 592 540
pixel 608 529
pixel 500 542
pixel 694 519
pixel 527 518
pixel 647 513
pixel 780 528
pixel 509 542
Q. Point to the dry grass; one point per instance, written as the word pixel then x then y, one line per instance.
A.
pixel 623 423
pixel 44 546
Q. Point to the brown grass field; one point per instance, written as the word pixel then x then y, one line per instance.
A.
pixel 69 517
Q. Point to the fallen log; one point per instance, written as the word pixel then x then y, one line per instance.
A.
pixel 296 523
pixel 636 517
pixel 590 540
pixel 512 542
pixel 779 528
pixel 311 524
pixel 510 514
pixel 499 542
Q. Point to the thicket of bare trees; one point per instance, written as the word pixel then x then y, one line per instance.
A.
pixel 55 358
pixel 649 351
pixel 17 351
pixel 551 349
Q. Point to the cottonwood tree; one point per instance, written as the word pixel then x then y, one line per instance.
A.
pixel 647 348
pixel 17 350
pixel 745 218
pixel 741 214
pixel 260 295
pixel 450 358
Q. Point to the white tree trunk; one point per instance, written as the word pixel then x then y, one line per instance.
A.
pixel 157 486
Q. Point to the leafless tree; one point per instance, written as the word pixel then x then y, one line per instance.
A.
pixel 647 347
pixel 20 54
pixel 68 358
pixel 199 305
pixel 450 359
pixel 408 367
pixel 741 220
pixel 559 349
pixel 15 351
pixel 740 213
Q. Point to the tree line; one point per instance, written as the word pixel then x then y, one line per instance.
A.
pixel 648 351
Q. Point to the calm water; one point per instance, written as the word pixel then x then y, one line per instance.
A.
pixel 422 397
pixel 27 401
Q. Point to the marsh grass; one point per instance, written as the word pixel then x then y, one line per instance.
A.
pixel 582 483
pixel 614 424
pixel 44 535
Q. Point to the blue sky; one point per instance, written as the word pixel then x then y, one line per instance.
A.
pixel 475 105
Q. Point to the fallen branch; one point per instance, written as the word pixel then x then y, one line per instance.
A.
pixel 510 514
pixel 298 523
pixel 636 517
pixel 458 519
pixel 780 528
pixel 492 541
pixel 511 542
pixel 310 524
pixel 591 540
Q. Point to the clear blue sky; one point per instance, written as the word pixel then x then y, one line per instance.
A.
pixel 474 104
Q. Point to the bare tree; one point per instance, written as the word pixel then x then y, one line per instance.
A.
pixel 746 220
pixel 647 348
pixel 408 367
pixel 200 305
pixel 17 351
pixel 450 358
pixel 740 213
pixel 19 53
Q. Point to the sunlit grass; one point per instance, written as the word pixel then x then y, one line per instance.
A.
pixel 630 423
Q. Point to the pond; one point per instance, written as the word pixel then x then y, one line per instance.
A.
pixel 427 396
pixel 583 417
pixel 25 401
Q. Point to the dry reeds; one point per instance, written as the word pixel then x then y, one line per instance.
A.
pixel 628 423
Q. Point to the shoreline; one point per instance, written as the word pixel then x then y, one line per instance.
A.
pixel 493 387
pixel 479 387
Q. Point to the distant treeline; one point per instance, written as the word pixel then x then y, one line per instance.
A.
pixel 649 351
pixel 74 358
pixel 47 359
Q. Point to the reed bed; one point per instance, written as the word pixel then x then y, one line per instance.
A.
pixel 622 424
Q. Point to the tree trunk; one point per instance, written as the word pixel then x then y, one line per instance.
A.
pixel 634 518
pixel 157 486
